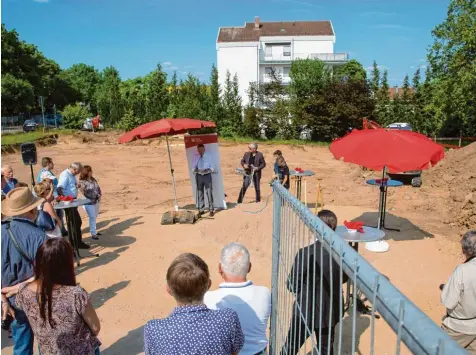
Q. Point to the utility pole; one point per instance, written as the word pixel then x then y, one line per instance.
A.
pixel 42 112
pixel 56 118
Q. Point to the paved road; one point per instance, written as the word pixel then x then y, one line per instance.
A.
pixel 12 129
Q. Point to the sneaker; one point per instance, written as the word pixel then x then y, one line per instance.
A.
pixel 83 245
pixel 95 237
pixel 98 233
pixel 212 213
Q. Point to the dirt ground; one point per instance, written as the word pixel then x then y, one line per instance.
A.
pixel 127 281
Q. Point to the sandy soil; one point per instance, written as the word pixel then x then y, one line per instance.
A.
pixel 127 281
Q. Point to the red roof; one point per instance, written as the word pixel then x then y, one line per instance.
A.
pixel 252 31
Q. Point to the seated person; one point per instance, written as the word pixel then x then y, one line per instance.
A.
pixel 252 303
pixel 10 181
pixel 192 328
pixel 306 287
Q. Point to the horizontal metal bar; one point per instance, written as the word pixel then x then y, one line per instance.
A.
pixel 419 333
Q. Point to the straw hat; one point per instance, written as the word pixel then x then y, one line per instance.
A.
pixel 19 201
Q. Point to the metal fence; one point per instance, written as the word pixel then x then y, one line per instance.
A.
pixel 311 264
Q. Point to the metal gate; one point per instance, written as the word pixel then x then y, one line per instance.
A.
pixel 310 266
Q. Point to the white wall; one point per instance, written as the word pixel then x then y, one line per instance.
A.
pixel 302 48
pixel 242 60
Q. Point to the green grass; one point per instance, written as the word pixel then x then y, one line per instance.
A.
pixel 22 137
pixel 244 140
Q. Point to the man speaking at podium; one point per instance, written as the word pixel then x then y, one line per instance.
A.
pixel 203 169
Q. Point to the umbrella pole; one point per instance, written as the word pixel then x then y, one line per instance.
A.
pixel 172 173
pixel 381 201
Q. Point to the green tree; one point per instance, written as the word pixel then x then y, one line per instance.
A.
pixel 108 96
pixel 174 97
pixel 375 79
pixel 17 95
pixel 129 121
pixel 133 99
pixel 156 94
pixel 452 59
pixel 74 115
pixel 85 80
pixel 215 113
pixel 190 103
pixel 382 102
pixel 232 109
pixel 351 70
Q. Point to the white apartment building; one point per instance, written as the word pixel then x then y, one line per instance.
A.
pixel 250 51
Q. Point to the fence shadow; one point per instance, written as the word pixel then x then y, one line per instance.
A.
pixel 130 344
pixel 408 230
pixel 101 296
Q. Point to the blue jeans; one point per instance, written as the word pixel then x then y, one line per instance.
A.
pixel 60 214
pixel 22 334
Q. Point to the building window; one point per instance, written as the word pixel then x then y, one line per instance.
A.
pixel 287 50
pixel 268 51
pixel 286 72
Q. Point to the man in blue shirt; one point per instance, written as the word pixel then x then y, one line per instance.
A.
pixel 10 181
pixel 192 328
pixel 21 238
pixel 68 186
pixel 47 173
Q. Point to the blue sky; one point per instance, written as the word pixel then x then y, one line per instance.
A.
pixel 135 35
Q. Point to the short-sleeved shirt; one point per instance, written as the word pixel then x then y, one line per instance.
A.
pixel 459 298
pixel 91 189
pixel 67 181
pixel 253 306
pixel 10 185
pixel 71 334
pixel 15 268
pixel 194 330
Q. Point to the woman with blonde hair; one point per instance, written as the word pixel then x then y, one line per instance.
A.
pixel 91 190
pixel 47 219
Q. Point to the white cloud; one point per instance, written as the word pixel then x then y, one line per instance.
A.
pixel 184 72
pixel 167 64
pixel 390 26
pixel 381 67
pixel 171 68
pixel 42 1
pixel 299 3
pixel 377 13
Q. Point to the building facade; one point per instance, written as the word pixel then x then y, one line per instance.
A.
pixel 255 49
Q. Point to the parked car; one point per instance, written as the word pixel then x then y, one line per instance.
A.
pixel 29 125
pixel 400 126
pixel 88 125
pixel 412 177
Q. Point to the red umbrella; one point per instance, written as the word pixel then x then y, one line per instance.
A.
pixel 394 150
pixel 165 127
pixel 386 149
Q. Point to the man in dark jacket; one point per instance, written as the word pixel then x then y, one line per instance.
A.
pixel 253 162
pixel 305 282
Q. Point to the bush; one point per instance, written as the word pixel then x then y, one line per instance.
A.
pixel 129 121
pixel 74 116
pixel 251 125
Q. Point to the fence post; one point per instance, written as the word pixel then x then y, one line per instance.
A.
pixel 460 137
pixel 275 269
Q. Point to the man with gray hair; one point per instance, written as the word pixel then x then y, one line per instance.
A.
pixel 459 297
pixel 68 186
pixel 252 303
pixel 252 163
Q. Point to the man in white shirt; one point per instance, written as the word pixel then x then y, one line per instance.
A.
pixel 203 169
pixel 251 303
pixel 459 298
pixel 68 186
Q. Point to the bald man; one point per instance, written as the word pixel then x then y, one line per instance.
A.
pixel 10 181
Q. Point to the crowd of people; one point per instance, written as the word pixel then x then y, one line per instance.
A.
pixel 41 298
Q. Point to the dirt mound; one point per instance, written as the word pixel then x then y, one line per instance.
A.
pixel 108 137
pixel 457 174
pixel 42 142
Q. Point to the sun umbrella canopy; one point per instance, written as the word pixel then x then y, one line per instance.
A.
pixel 165 126
pixel 397 150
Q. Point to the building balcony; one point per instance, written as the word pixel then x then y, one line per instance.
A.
pixel 330 58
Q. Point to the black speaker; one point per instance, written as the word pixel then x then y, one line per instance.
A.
pixel 28 153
